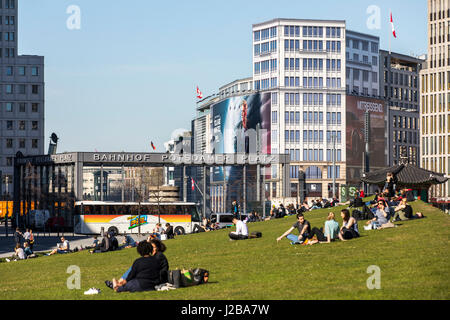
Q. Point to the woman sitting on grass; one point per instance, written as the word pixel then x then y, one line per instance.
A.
pixel 349 229
pixel 144 274
pixel 157 249
pixel 331 232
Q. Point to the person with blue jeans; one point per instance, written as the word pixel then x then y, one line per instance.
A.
pixel 303 227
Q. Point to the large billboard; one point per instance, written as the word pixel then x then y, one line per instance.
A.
pixel 355 144
pixel 241 125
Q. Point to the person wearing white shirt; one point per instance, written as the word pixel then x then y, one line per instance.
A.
pixel 241 230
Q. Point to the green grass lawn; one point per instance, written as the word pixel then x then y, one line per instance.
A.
pixel 413 258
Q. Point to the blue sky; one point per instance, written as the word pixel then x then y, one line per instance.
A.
pixel 128 76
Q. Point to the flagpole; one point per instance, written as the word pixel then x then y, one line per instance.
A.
pixel 390 16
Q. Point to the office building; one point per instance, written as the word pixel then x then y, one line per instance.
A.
pixel 399 83
pixel 21 97
pixel 435 99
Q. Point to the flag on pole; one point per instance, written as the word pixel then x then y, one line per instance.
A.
pixel 192 184
pixel 153 146
pixel 199 93
pixel 393 28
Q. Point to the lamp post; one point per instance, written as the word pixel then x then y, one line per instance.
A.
pixel 7 204
pixel 334 164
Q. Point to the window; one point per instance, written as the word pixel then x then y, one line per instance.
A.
pixel 9 71
pixel 22 125
pixel 22 89
pixel 9 88
pixel 22 143
pixel 34 125
pixel 9 125
pixel 22 107
pixel 9 107
pixel 34 143
pixel 274 117
pixel 9 143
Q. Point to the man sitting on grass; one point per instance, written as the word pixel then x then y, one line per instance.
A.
pixel 304 229
pixel 405 212
pixel 63 247
pixel 241 230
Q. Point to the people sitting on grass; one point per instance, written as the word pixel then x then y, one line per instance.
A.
pixel 349 229
pixel 169 231
pixel 303 227
pixel 128 242
pixel 63 247
pixel 104 246
pixel 144 274
pixel 19 254
pixel 381 214
pixel 241 232
pixel 329 233
pixel 405 212
pixel 28 252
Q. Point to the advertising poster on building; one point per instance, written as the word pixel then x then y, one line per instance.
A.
pixel 355 144
pixel 241 125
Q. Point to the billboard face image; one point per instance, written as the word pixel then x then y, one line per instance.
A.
pixel 355 144
pixel 235 124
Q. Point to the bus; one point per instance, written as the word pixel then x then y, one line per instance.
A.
pixel 95 217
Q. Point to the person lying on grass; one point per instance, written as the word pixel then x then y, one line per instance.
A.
pixel 331 232
pixel 303 227
pixel 144 274
pixel 157 251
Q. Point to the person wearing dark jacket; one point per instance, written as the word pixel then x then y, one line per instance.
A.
pixel 158 252
pixel 144 274
pixel 104 246
pixel 169 231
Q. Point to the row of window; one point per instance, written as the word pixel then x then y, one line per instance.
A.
pixel 312 82
pixel 312 99
pixel 313 136
pixel 264 34
pixel 20 88
pixel 7 52
pixel 312 31
pixel 8 20
pixel 7 36
pixel 365 59
pixel 404 122
pixel 266 66
pixel 365 75
pixel 22 107
pixel 405 137
pixel 315 155
pixel 21 71
pixel 355 44
pixel 435 145
pixel 21 125
pixel 21 143
pixel 266 47
pixel 311 45
pixel 315 172
pixel 312 64
pixel 8 4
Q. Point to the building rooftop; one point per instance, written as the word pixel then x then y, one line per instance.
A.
pixel 280 20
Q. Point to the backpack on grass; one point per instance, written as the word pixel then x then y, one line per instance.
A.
pixel 188 278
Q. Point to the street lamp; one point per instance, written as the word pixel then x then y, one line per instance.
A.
pixel 334 164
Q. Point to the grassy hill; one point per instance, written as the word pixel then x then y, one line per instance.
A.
pixel 413 258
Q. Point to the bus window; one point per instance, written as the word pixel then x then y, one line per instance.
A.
pixel 170 210
pixel 194 214
pixel 88 209
pixel 144 210
pixel 226 218
pixel 98 210
pixel 213 218
pixel 153 209
pixel 123 210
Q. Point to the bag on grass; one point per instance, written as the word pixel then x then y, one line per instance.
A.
pixel 188 278
pixel 255 234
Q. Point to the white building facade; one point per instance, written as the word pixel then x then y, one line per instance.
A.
pixel 302 63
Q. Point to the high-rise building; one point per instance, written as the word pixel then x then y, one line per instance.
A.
pixel 362 64
pixel 435 98
pixel 21 97
pixel 302 64
pixel 399 84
